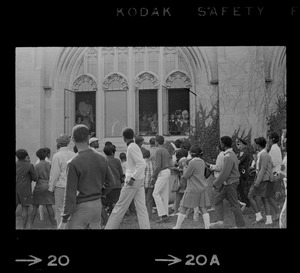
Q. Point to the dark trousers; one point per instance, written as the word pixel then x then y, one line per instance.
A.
pixel 230 193
pixel 243 189
pixel 149 200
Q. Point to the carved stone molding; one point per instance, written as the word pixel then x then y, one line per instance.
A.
pixel 178 75
pixel 107 50
pixel 92 51
pixel 146 76
pixel 84 78
pixel 122 50
pixel 115 77
pixel 170 50
pixel 139 49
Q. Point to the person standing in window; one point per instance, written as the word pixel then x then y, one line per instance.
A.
pixel 185 126
pixel 172 125
pixel 133 188
pixel 178 121
pixel 145 125
pixel 160 179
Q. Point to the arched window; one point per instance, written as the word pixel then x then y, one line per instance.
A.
pixel 176 104
pixel 146 86
pixel 115 88
pixel 80 104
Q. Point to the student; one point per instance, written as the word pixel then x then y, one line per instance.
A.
pixel 86 174
pixel 122 157
pixel 41 194
pixel 160 180
pixel 25 174
pixel 133 188
pixel 226 185
pixel 58 175
pixel 263 185
pixel 94 143
pixel 181 158
pixel 117 171
pixel 47 159
pixel 195 194
pixel 147 182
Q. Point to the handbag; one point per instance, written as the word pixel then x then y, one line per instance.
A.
pixel 207 172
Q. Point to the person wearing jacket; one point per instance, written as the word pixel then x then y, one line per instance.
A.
pixel 263 185
pixel 226 185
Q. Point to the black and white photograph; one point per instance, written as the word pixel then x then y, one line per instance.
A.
pixel 153 137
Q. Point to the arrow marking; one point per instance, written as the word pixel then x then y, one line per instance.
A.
pixel 173 261
pixel 33 261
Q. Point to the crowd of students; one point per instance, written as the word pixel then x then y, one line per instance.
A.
pixel 89 190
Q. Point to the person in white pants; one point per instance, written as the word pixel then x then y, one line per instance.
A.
pixel 160 180
pixel 133 188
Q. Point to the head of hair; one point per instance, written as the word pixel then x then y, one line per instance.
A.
pixel 160 139
pixel 274 137
pixel 185 144
pixel 227 141
pixel 178 143
pixel 48 151
pixel 122 156
pixel 139 140
pixel 146 153
pixel 41 153
pixel 80 133
pixel 261 141
pixel 128 133
pixel 108 150
pixel 63 140
pixel 107 143
pixel 180 153
pixel 196 151
pixel 167 145
pixel 152 141
pixel 21 154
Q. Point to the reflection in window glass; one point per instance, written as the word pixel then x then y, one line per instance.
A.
pixel 148 121
pixel 115 113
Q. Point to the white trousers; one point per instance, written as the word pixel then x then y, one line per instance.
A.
pixel 137 193
pixel 161 192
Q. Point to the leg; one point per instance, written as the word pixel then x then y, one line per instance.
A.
pixel 25 212
pixel 126 196
pixel 51 214
pixel 159 194
pixel 95 222
pixel 141 209
pixel 267 207
pixel 206 218
pixel 252 200
pixel 180 218
pixel 59 203
pixel 33 214
pixel 276 209
pixel 149 200
pixel 41 212
pixel 231 194
pixel 220 195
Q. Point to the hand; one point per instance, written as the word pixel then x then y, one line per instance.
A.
pixel 62 225
pixel 130 182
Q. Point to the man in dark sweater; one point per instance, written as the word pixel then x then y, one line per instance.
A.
pixel 86 174
pixel 226 185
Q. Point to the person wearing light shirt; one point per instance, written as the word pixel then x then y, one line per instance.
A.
pixel 276 157
pixel 133 188
pixel 219 163
pixel 58 175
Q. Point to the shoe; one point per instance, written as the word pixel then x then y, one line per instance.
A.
pixel 234 227
pixel 211 209
pixel 257 222
pixel 243 205
pixel 218 223
pixel 174 214
pixel 162 220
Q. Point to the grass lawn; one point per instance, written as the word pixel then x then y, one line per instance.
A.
pixel 131 222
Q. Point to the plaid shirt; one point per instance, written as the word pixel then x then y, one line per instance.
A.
pixel 148 173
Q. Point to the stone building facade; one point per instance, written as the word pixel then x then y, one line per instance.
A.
pixel 234 88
